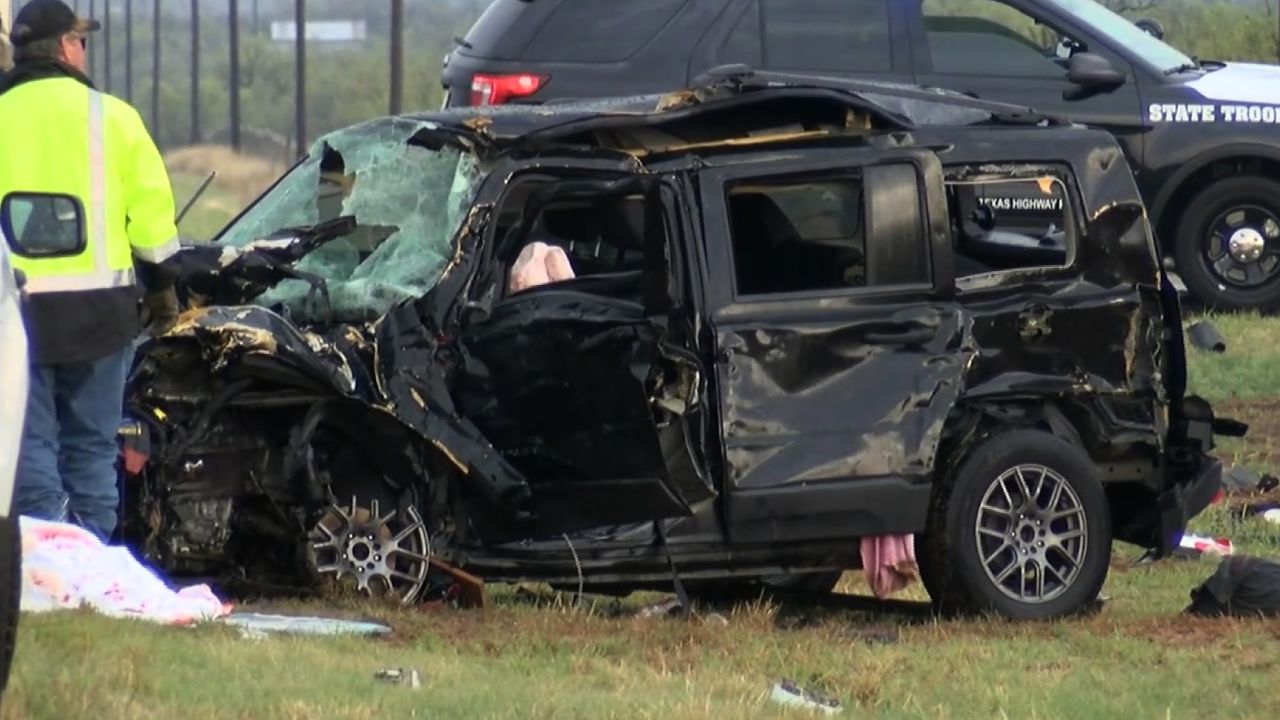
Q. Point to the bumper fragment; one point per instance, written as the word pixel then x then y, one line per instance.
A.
pixel 1185 500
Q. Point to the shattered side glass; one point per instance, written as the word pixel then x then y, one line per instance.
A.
pixel 408 202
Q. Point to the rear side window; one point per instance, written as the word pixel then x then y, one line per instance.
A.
pixel 841 35
pixel 503 30
pixel 600 31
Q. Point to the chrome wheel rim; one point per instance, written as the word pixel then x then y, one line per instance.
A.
pixel 1031 534
pixel 385 555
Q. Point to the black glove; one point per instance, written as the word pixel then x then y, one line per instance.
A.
pixel 160 311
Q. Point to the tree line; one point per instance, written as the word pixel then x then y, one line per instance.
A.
pixel 349 82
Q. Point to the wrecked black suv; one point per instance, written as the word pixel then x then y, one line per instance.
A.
pixel 711 338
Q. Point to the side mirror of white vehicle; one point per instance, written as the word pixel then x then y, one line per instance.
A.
pixel 41 225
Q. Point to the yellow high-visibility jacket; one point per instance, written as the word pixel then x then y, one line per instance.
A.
pixel 58 135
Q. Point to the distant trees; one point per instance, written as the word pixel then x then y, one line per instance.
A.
pixel 351 83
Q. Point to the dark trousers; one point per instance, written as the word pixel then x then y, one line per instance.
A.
pixel 67 465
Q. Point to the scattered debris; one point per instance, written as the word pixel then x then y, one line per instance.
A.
pixel 66 567
pixel 1205 335
pixel 1195 546
pixel 1241 479
pixel 467 590
pixel 666 607
pixel 400 676
pixel 261 623
pixel 1241 586
pixel 788 693
pixel 716 619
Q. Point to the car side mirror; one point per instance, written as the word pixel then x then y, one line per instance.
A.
pixel 1151 27
pixel 39 225
pixel 1090 70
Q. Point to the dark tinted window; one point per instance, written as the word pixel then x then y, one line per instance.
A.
pixel 844 35
pixel 504 29
pixel 743 43
pixel 796 236
pixel 600 31
pixel 988 37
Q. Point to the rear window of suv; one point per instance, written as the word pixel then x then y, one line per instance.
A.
pixel 600 31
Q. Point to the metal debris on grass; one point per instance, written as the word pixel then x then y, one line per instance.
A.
pixel 788 693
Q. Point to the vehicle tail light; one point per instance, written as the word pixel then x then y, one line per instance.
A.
pixel 500 89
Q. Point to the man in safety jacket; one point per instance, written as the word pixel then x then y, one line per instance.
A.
pixel 61 136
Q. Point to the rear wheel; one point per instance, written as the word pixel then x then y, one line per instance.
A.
pixel 1227 245
pixel 1024 532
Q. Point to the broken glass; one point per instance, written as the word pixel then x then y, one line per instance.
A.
pixel 408 202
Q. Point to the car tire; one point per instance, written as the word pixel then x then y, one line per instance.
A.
pixel 988 550
pixel 1259 198
pixel 10 593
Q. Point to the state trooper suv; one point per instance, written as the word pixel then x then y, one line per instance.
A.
pixel 1203 137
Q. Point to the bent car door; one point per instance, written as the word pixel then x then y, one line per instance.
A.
pixel 839 347
pixel 571 368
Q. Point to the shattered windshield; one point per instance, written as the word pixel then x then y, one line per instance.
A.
pixel 407 201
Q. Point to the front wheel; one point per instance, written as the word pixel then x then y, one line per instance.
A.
pixel 1024 531
pixel 1227 245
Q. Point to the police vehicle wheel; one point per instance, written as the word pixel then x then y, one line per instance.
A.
pixel 1025 532
pixel 1227 246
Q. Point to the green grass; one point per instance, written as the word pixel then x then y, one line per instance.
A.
pixel 1249 369
pixel 1138 657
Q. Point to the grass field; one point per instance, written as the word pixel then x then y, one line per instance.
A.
pixel 1138 657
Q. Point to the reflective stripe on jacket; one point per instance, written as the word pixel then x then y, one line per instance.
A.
pixel 59 135
pixel 62 137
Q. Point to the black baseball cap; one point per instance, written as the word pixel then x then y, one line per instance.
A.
pixel 46 19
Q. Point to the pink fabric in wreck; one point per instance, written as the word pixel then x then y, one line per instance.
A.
pixel 539 264
pixel 889 562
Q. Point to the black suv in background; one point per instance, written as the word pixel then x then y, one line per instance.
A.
pixel 1201 136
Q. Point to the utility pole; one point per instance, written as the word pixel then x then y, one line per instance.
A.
pixel 106 45
pixel 256 29
pixel 155 70
pixel 128 51
pixel 397 56
pixel 195 72
pixel 234 6
pixel 300 75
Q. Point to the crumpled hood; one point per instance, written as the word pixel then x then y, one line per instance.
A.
pixel 1249 83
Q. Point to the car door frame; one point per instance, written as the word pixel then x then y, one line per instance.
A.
pixel 554 507
pixel 811 511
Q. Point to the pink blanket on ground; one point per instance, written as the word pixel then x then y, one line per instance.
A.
pixel 889 562
pixel 65 566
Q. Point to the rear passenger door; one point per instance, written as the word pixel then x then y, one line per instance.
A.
pixel 837 344
pixel 841 38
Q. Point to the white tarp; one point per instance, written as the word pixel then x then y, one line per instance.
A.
pixel 65 567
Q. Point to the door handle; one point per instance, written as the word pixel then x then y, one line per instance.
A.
pixel 904 337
